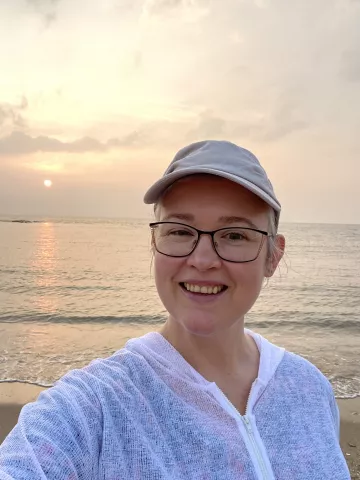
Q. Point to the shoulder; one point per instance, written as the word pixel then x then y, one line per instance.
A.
pixel 286 368
pixel 302 372
pixel 87 395
pixel 123 367
pixel 63 430
pixel 298 380
pixel 303 380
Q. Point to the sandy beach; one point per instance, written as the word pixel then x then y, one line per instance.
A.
pixel 13 396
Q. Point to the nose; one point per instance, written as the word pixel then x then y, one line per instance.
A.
pixel 204 256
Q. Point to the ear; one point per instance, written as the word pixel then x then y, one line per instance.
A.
pixel 276 256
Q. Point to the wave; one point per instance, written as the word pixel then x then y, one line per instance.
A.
pixel 26 382
pixel 21 221
pixel 132 222
pixel 351 325
pixel 347 397
pixel 340 322
pixel 44 318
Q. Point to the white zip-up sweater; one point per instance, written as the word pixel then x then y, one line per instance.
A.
pixel 145 413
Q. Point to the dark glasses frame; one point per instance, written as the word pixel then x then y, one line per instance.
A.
pixel 264 234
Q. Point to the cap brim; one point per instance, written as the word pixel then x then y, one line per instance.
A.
pixel 155 191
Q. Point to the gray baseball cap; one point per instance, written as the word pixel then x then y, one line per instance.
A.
pixel 221 158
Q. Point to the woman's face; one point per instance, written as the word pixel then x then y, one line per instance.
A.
pixel 201 201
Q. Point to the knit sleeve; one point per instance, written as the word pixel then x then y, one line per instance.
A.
pixel 57 437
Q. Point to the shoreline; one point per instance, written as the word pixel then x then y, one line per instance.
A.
pixel 13 396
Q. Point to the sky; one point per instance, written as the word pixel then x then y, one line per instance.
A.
pixel 99 96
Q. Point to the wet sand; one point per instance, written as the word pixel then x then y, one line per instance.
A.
pixel 14 396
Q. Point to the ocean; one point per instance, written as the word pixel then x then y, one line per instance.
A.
pixel 72 290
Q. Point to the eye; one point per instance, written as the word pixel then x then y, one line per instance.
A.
pixel 174 231
pixel 236 236
pixel 180 233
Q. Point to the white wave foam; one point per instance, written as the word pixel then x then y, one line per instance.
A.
pixel 28 382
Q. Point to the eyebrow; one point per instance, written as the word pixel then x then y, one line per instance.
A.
pixel 227 220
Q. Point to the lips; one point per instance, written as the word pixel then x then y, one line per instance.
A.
pixel 203 288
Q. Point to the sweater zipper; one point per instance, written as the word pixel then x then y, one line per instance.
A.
pixel 252 437
pixel 247 424
pixel 256 449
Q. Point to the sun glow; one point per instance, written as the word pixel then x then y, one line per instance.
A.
pixel 48 183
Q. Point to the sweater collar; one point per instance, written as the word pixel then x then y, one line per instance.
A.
pixel 160 350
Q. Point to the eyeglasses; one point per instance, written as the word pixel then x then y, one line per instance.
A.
pixel 232 244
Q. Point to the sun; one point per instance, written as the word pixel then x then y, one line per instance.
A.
pixel 47 183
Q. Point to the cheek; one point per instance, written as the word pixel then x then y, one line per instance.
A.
pixel 159 268
pixel 164 269
pixel 248 279
pixel 249 276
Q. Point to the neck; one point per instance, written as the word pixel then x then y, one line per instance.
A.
pixel 224 354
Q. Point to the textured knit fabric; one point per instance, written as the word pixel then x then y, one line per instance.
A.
pixel 145 413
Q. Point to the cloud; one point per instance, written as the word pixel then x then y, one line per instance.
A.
pixel 19 143
pixel 40 3
pixel 350 65
pixel 160 7
pixel 261 3
pixel 209 126
pixel 130 140
pixel 138 60
pixel 47 8
pixel 269 128
pixel 11 115
pixel 281 120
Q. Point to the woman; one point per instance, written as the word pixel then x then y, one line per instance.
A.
pixel 205 398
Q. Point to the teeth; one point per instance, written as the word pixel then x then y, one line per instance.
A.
pixel 204 289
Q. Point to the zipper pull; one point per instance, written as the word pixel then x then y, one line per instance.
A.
pixel 248 424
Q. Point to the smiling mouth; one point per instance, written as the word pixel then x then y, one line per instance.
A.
pixel 203 289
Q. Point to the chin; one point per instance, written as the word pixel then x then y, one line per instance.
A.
pixel 200 324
